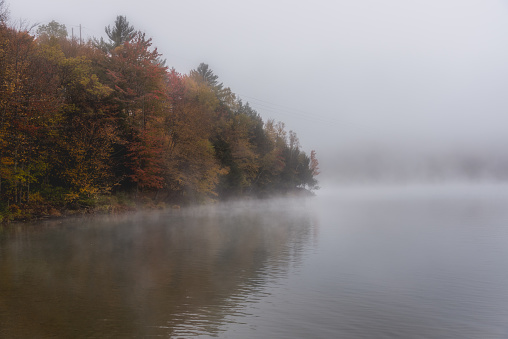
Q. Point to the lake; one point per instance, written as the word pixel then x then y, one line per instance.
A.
pixel 419 261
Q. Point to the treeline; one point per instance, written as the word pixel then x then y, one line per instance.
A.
pixel 81 120
pixel 388 164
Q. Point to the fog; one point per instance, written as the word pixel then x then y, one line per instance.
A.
pixel 391 86
pixel 175 273
pixel 363 262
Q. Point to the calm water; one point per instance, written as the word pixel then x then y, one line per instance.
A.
pixel 408 262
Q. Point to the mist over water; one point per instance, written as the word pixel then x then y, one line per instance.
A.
pixel 406 164
pixel 373 261
pixel 170 273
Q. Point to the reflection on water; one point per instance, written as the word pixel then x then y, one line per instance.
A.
pixel 178 273
pixel 410 262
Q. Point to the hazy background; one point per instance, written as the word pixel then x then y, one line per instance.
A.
pixel 382 88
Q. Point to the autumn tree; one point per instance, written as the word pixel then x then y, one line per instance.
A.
pixel 192 170
pixel 87 141
pixel 29 112
pixel 238 144
pixel 260 158
pixel 52 30
pixel 134 71
pixel 204 72
pixel 272 162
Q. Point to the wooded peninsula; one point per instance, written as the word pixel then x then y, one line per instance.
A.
pixel 105 125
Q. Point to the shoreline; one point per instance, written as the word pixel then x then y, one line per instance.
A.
pixel 119 205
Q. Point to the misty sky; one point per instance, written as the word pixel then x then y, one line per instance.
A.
pixel 404 73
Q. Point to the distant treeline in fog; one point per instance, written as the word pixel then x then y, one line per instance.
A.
pixel 81 120
pixel 386 165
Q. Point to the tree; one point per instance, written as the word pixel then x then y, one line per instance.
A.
pixel 86 142
pixel 52 30
pixel 4 12
pixel 204 73
pixel 305 172
pixel 28 112
pixel 146 161
pixel 134 71
pixel 119 34
pixel 191 167
pixel 236 145
pixel 314 163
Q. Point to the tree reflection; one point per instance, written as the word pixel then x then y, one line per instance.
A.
pixel 172 273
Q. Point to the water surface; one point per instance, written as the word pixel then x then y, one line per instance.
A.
pixel 373 262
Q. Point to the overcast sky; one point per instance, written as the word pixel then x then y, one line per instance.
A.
pixel 341 73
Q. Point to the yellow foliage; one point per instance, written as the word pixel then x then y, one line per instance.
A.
pixel 36 198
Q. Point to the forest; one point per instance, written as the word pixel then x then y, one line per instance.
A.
pixel 104 124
